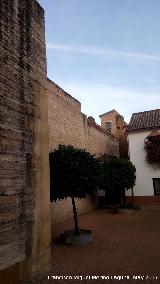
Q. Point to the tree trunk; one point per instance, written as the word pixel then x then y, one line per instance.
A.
pixel 123 196
pixel 132 198
pixel 75 217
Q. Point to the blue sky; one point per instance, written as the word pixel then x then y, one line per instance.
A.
pixel 105 53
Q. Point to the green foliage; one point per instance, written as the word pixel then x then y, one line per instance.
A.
pixel 74 172
pixel 152 147
pixel 118 174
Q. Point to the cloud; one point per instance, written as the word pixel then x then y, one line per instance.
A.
pixel 100 98
pixel 98 51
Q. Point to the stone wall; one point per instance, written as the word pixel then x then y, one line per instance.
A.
pixel 68 125
pixel 24 192
pixel 100 141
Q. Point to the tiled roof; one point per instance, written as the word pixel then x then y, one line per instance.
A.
pixel 144 121
pixel 113 110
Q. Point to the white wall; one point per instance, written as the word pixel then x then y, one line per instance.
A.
pixel 145 171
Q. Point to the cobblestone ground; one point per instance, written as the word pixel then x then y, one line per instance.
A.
pixel 123 245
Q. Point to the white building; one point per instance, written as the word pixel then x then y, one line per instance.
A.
pixel 143 126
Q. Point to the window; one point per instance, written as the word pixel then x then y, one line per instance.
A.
pixel 108 125
pixel 156 185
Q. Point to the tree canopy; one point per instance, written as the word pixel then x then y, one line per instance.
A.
pixel 74 172
pixel 118 175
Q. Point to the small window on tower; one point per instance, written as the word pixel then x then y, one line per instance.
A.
pixel 109 125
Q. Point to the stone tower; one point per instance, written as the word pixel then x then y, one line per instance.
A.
pixel 113 122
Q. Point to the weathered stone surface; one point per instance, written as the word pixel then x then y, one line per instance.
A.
pixel 23 148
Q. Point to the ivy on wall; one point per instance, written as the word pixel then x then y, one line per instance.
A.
pixel 152 147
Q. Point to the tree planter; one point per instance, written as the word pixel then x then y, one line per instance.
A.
pixel 70 238
pixel 124 210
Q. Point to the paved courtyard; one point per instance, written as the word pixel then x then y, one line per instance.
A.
pixel 123 245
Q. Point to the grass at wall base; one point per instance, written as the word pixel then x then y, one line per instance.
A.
pixel 74 173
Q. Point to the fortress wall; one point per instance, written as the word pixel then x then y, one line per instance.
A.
pixel 24 165
pixel 69 126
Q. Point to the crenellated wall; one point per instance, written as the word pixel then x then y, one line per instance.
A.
pixel 24 165
pixel 68 125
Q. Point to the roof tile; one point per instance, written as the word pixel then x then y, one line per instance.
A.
pixel 144 120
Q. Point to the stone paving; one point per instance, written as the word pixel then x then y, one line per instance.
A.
pixel 123 245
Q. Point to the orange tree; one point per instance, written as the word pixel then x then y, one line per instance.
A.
pixel 118 175
pixel 74 173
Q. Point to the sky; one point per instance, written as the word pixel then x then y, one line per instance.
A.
pixel 105 53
